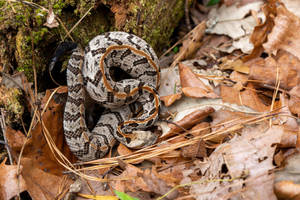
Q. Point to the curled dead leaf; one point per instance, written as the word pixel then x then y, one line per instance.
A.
pixel 192 86
pixel 283 36
pixel 51 21
pixel 247 97
pixel 294 102
pixel 10 181
pixel 287 190
pixel 236 65
pixel 196 92
pixel 285 67
pixel 190 120
pixel 170 99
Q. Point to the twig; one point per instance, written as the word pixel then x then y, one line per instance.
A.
pixel 187 15
pixel 12 7
pixel 85 14
pixel 174 45
pixel 3 127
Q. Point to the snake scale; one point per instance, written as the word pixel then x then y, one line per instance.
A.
pixel 132 105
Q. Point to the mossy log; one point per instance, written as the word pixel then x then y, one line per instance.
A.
pixel 26 41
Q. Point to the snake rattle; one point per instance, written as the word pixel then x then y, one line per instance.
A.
pixel 88 73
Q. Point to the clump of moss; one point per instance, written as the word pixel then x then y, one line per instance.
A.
pixel 25 23
pixel 155 29
pixel 10 101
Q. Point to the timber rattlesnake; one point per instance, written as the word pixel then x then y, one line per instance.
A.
pixel 88 72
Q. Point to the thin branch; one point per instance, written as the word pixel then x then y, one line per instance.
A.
pixel 77 23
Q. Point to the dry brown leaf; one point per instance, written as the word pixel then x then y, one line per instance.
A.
pixel 170 99
pixel 191 44
pixel 211 45
pixel 287 190
pixel 189 79
pixel 223 119
pixel 120 12
pixel 38 148
pixel 15 140
pixel 41 171
pixel 236 65
pixel 10 180
pixel 279 158
pixel 137 179
pixel 261 31
pixel 192 86
pixel 248 97
pixel 190 120
pixel 41 184
pixel 240 79
pixel 285 64
pixel 294 102
pixel 290 125
pixel 123 150
pixel 287 182
pixel 234 21
pixel 251 154
pixel 198 149
pixel 200 129
pixel 285 34
pixel 196 92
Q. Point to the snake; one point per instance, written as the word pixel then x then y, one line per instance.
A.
pixel 131 104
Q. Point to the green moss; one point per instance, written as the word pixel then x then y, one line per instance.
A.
pixel 28 22
pixel 10 101
pixel 155 29
pixel 39 35
pixel 58 6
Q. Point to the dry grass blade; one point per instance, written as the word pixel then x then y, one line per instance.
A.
pixel 77 23
pixel 155 150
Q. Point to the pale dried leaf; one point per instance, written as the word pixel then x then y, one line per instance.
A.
pixel 252 154
pixel 231 21
pixel 51 21
pixel 293 6
pixel 283 36
pixel 9 181
pixel 287 180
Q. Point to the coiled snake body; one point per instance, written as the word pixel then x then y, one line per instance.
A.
pixel 88 73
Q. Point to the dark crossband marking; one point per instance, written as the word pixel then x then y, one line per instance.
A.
pixel 130 37
pixel 140 62
pixel 138 52
pixel 110 97
pixel 134 56
pixel 125 54
pixel 98 51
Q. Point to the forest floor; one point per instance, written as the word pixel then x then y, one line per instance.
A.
pixel 229 122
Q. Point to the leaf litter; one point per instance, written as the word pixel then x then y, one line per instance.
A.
pixel 229 127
